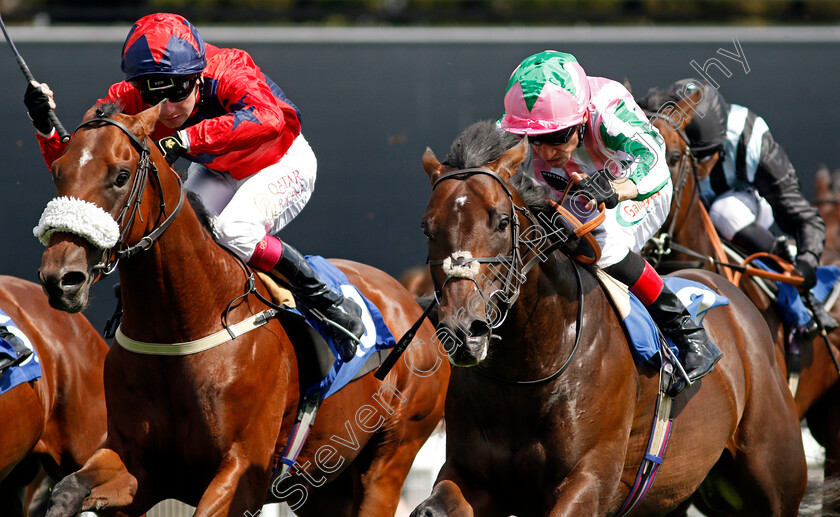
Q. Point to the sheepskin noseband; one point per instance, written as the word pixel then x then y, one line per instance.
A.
pixel 82 218
pixel 461 265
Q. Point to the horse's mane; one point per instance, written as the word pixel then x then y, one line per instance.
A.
pixel 201 212
pixel 655 99
pixel 484 142
pixel 481 143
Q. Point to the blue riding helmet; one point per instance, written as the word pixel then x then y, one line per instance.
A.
pixel 163 44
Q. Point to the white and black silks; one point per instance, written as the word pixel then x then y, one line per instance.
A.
pixel 750 157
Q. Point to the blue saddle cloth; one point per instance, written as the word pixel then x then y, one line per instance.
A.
pixel 377 336
pixel 790 304
pixel 29 370
pixel 641 330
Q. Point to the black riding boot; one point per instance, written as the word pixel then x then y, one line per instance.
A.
pixel 697 353
pixel 821 316
pixel 343 314
pixel 20 349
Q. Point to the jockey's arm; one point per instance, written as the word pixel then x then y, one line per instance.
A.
pixel 777 182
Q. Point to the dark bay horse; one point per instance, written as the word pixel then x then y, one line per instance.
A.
pixel 548 413
pixel 817 394
pixel 57 420
pixel 202 428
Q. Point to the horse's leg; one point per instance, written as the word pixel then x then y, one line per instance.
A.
pixel 334 498
pixel 383 471
pixel 769 470
pixel 103 482
pixel 446 500
pixel 14 483
pixel 237 488
pixel 38 495
pixel 824 424
pixel 11 498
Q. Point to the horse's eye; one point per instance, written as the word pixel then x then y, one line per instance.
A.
pixel 504 222
pixel 122 178
pixel 673 159
pixel 424 225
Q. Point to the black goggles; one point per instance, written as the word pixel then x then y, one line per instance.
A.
pixel 555 138
pixel 704 155
pixel 173 89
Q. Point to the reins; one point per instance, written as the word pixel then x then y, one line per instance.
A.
pixel 686 168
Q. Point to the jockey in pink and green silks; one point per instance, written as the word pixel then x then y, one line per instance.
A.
pixel 590 131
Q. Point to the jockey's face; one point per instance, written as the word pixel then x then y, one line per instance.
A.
pixel 705 166
pixel 557 155
pixel 175 114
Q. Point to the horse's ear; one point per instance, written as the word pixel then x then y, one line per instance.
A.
pixel 431 165
pixel 509 161
pixel 626 83
pixel 687 106
pixel 144 122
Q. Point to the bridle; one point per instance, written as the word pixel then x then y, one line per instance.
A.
pixel 516 275
pixel 687 166
pixel 130 211
pixel 513 279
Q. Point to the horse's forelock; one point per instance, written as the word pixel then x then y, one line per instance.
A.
pixel 479 144
pixel 108 109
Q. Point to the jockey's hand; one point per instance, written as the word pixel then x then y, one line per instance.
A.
pixel 39 101
pixel 806 267
pixel 597 188
pixel 173 147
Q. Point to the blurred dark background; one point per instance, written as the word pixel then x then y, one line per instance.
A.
pixel 439 12
pixel 377 81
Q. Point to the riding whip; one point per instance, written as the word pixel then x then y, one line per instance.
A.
pixel 62 133
pixel 392 358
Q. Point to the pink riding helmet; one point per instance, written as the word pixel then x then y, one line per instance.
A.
pixel 547 92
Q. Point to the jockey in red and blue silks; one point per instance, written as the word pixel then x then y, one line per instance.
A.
pixel 589 130
pixel 251 166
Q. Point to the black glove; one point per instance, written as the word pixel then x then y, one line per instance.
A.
pixel 172 147
pixel 806 267
pixel 597 187
pixel 38 105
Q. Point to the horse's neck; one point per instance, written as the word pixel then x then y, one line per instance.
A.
pixel 690 229
pixel 184 279
pixel 540 327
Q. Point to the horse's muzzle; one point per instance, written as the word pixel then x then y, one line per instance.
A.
pixel 65 274
pixel 465 346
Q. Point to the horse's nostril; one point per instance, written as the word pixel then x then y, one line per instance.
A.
pixel 479 328
pixel 73 280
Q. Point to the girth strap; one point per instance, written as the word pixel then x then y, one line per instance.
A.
pixel 199 345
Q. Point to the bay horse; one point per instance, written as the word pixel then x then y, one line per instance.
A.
pixel 827 199
pixel 817 394
pixel 548 414
pixel 54 422
pixel 202 428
